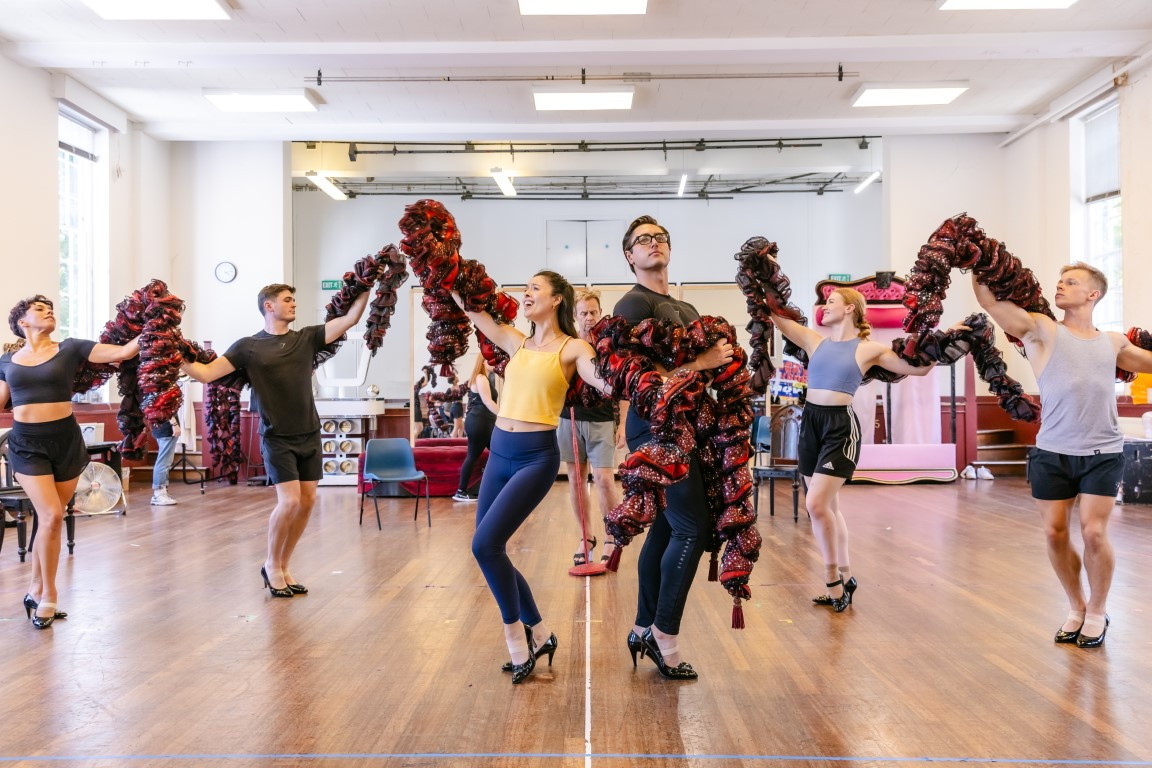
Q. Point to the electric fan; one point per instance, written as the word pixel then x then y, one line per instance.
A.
pixel 98 490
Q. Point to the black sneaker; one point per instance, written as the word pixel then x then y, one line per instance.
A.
pixel 463 496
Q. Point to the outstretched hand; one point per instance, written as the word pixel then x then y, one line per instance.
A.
pixel 719 354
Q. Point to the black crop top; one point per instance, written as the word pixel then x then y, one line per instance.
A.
pixel 51 380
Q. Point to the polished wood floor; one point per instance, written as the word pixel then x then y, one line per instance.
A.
pixel 174 654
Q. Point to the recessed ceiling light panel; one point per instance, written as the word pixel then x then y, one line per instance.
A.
pixel 297 100
pixel 1005 5
pixel 160 10
pixel 907 94
pixel 582 7
pixel 583 97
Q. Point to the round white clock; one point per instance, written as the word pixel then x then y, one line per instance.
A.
pixel 225 271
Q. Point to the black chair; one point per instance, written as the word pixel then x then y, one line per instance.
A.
pixel 390 460
pixel 14 500
pixel 763 467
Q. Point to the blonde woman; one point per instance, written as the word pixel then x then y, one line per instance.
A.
pixel 830 431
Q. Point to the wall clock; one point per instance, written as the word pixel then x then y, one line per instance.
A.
pixel 225 271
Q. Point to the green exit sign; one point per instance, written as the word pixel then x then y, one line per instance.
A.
pixel 329 285
pixel 843 277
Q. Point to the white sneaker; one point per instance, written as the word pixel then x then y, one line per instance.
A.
pixel 984 474
pixel 160 498
pixel 968 473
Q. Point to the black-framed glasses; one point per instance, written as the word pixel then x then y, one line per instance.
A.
pixel 647 239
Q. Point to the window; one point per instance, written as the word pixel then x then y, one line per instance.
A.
pixel 76 312
pixel 1102 224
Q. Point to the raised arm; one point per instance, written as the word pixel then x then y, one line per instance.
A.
pixel 338 326
pixel 890 361
pixel 1133 358
pixel 114 353
pixel 585 359
pixel 507 337
pixel 1015 320
pixel 205 373
pixel 800 335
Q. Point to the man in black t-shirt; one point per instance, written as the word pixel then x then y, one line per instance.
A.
pixel 278 361
pixel 675 542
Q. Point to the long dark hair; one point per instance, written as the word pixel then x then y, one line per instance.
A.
pixel 566 312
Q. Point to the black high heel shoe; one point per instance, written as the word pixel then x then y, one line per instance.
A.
pixel 276 591
pixel 43 622
pixel 548 647
pixel 1068 637
pixel 298 589
pixel 682 671
pixel 1083 641
pixel 837 604
pixel 31 605
pixel 635 646
pixel 520 672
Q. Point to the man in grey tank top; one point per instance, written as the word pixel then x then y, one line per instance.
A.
pixel 1079 449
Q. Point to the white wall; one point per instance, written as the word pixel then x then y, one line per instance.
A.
pixel 29 204
pixel 1136 196
pixel 229 202
pixel 834 232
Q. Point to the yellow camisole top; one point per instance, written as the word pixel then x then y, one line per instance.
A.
pixel 534 386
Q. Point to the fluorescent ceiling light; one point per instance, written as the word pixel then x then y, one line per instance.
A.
pixel 324 184
pixel 907 95
pixel 582 7
pixel 504 182
pixel 683 182
pixel 159 10
pixel 298 100
pixel 583 97
pixel 864 184
pixel 1005 5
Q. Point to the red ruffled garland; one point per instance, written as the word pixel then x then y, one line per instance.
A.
pixel 432 243
pixel 684 418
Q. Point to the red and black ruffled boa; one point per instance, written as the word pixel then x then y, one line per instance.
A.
pixel 432 243
pixel 684 418
pixel 767 291
pixel 147 383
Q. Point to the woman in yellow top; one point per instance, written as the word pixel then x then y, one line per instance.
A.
pixel 524 457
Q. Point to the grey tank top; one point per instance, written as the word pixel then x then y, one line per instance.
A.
pixel 1078 397
pixel 833 366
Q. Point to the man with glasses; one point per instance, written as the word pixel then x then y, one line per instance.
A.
pixel 674 544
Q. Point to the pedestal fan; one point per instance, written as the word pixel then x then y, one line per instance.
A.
pixel 98 491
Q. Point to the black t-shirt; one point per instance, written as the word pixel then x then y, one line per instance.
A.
pixel 641 303
pixel 51 380
pixel 280 370
pixel 606 411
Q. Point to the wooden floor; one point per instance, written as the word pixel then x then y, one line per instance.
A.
pixel 174 654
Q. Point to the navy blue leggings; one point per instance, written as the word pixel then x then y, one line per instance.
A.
pixel 521 470
pixel 675 542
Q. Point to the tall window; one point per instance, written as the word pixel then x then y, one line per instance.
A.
pixel 1103 246
pixel 75 315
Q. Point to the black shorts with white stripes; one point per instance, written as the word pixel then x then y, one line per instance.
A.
pixel 829 441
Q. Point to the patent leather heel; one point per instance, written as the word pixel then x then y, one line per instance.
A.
pixel 43 622
pixel 31 605
pixel 837 604
pixel 682 671
pixel 547 647
pixel 520 672
pixel 276 591
pixel 635 646
pixel 1083 641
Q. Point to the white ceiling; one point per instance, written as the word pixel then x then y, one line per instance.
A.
pixel 1017 63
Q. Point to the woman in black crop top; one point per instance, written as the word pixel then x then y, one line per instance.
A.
pixel 45 446
pixel 830 431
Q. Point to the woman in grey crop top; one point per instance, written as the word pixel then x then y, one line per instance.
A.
pixel 45 446
pixel 830 431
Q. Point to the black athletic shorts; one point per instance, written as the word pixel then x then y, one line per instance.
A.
pixel 49 448
pixel 1058 476
pixel 829 441
pixel 292 457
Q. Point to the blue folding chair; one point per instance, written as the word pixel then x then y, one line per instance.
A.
pixel 390 460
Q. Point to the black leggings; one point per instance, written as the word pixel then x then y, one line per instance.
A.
pixel 673 546
pixel 478 429
pixel 521 470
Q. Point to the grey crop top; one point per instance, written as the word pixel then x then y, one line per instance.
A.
pixel 833 366
pixel 51 380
